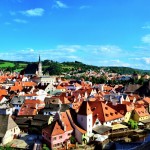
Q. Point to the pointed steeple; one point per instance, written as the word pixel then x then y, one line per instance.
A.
pixel 39 59
pixel 39 72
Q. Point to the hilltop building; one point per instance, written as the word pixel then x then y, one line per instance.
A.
pixel 34 69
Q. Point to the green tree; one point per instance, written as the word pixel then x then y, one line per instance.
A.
pixel 72 140
pixel 53 69
pixel 133 124
pixel 45 147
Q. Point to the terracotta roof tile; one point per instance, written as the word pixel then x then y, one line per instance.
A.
pixel 84 109
pixel 54 129
pixel 141 111
pixel 3 92
pixel 103 112
pixel 66 121
pixel 75 125
pixel 147 100
pixel 28 110
pixel 16 88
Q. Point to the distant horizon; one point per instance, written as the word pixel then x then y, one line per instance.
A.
pixel 69 61
pixel 100 33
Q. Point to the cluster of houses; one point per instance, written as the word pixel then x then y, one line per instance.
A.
pixel 67 111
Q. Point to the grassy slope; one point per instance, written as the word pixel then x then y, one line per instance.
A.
pixel 6 64
pixel 67 65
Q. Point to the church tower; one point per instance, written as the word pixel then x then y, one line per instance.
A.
pixel 40 67
pixel 85 117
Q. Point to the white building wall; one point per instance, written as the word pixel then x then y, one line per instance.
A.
pixel 10 135
pixel 109 123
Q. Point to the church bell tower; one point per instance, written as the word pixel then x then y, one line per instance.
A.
pixel 40 67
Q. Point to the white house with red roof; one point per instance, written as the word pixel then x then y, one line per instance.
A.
pixel 84 118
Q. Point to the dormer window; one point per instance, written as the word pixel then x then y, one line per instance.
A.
pixel 106 115
pixel 106 108
pixel 93 108
pixel 111 114
pixel 97 122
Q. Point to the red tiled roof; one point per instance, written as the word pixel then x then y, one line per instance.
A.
pixel 1 97
pixel 54 129
pixel 107 88
pixel 27 84
pixel 147 100
pixel 3 92
pixel 16 88
pixel 60 87
pixel 141 111
pixel 77 127
pixel 103 112
pixel 84 109
pixel 121 108
pixel 28 110
pixel 65 120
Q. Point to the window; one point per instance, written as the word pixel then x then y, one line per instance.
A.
pixel 111 114
pixel 89 126
pixel 69 134
pixel 89 120
pixel 60 137
pixel 54 138
pixel 106 115
pixel 97 122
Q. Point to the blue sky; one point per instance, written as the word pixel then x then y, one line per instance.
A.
pixel 96 32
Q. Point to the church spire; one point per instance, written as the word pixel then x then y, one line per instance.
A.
pixel 40 67
pixel 39 59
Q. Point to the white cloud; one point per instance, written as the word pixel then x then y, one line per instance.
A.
pixel 99 55
pixel 59 4
pixel 84 7
pixel 141 62
pixel 146 39
pixel 147 60
pixel 146 27
pixel 33 12
pixel 116 62
pixel 31 49
pixel 109 48
pixel 71 48
pixel 20 21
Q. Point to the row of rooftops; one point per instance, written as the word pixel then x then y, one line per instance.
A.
pixel 94 94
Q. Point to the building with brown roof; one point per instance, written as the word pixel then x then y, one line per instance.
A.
pixel 105 114
pixel 84 117
pixel 58 133
pixel 8 129
pixel 140 113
